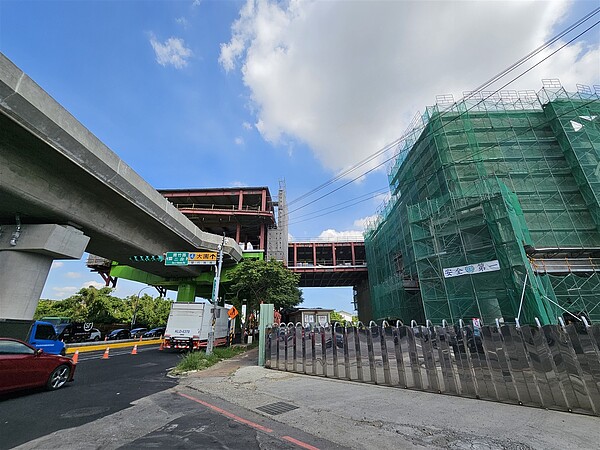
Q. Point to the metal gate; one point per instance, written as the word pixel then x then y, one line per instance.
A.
pixel 553 366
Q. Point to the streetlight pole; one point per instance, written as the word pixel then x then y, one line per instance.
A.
pixel 137 304
pixel 215 296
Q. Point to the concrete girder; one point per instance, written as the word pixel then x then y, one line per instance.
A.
pixel 53 169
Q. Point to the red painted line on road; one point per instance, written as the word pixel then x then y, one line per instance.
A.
pixel 299 443
pixel 228 414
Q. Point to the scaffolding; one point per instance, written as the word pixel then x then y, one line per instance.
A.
pixel 512 177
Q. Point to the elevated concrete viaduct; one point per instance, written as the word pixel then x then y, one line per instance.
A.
pixel 63 192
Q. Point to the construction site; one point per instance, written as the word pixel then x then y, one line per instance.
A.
pixel 494 212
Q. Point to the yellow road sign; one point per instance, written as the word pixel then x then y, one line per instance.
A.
pixel 202 258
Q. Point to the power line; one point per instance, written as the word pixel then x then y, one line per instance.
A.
pixel 534 52
pixel 368 195
pixel 352 202
pixel 464 160
pixel 487 83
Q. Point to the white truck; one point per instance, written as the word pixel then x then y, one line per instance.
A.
pixel 189 324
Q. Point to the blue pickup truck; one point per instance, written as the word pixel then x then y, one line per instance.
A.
pixel 37 333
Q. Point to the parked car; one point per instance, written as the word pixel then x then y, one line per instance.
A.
pixel 138 332
pixel 95 334
pixel 119 333
pixel 22 367
pixel 155 332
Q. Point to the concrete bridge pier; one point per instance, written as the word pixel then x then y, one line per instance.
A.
pixel 26 254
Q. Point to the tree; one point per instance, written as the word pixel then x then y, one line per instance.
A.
pixel 336 317
pixel 98 306
pixel 149 311
pixel 266 282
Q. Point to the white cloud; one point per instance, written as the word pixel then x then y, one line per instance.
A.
pixel 172 52
pixel 56 265
pixel 347 77
pixel 196 2
pixel 239 141
pixel 73 275
pixel 333 235
pixel 63 291
pixel 365 221
pixel 247 126
pixel 93 283
pixel 238 184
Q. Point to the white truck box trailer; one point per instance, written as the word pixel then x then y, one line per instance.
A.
pixel 189 324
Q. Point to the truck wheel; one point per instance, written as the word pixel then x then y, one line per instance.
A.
pixel 58 377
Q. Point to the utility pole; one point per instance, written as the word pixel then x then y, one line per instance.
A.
pixel 215 296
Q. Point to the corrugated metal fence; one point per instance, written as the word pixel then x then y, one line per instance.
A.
pixel 553 366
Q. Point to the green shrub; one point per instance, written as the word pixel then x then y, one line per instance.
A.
pixel 199 360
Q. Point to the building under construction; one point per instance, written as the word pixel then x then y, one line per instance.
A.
pixel 494 211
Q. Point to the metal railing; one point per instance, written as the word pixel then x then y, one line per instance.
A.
pixel 554 366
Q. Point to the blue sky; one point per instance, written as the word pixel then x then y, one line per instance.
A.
pixel 248 93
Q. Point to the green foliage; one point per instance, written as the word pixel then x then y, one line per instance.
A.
pixel 98 306
pixel 336 317
pixel 149 311
pixel 200 360
pixel 266 281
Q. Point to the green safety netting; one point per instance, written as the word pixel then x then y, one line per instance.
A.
pixel 483 180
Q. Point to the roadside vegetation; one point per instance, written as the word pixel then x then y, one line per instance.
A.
pixel 193 361
pixel 100 307
pixel 270 281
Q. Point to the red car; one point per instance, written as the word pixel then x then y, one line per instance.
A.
pixel 22 367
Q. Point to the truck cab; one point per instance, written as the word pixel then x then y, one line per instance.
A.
pixel 39 334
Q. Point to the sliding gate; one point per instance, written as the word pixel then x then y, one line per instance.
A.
pixel 553 366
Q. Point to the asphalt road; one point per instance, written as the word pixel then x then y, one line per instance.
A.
pixel 128 402
pixel 101 387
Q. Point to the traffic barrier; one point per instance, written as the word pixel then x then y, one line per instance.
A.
pixel 75 357
pixel 134 351
pixel 105 356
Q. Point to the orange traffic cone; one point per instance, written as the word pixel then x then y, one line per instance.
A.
pixel 161 345
pixel 75 357
pixel 105 356
pixel 140 338
pixel 134 351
